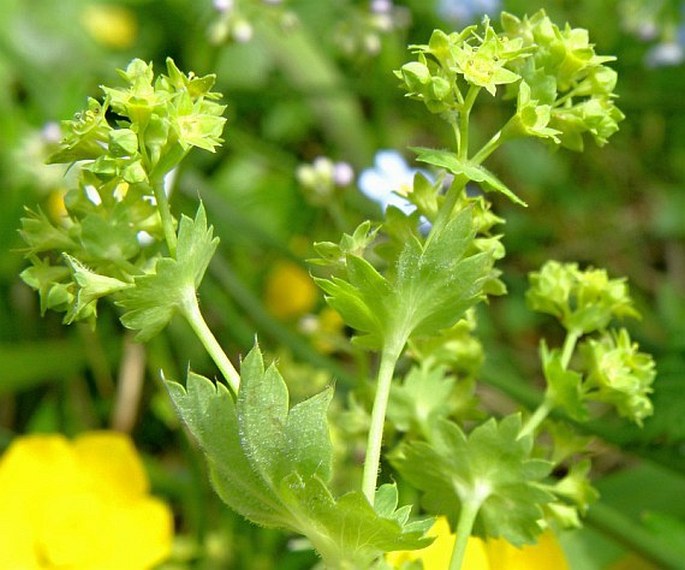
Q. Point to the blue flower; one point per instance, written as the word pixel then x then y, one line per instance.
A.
pixel 467 10
pixel 389 181
pixel 665 54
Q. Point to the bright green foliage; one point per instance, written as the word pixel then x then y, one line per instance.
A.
pixel 583 301
pixel 618 374
pixel 157 295
pixel 432 284
pixel 492 466
pixel 270 462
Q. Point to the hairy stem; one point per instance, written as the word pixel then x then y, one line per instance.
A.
pixel 165 215
pixel 191 311
pixel 389 358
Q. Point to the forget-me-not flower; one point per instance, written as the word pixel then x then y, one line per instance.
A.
pixel 467 10
pixel 390 179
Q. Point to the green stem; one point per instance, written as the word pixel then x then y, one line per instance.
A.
pixel 488 148
pixel 546 406
pixel 572 337
pixel 537 418
pixel 191 311
pixel 445 213
pixel 467 516
pixel 464 117
pixel 165 215
pixel 372 460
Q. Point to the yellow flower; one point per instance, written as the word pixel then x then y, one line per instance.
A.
pixel 110 25
pixel 495 554
pixel 81 505
pixel 289 291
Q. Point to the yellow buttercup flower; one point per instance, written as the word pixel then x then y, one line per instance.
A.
pixel 81 505
pixel 110 25
pixel 289 291
pixel 496 554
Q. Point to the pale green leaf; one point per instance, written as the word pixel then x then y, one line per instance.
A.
pixel 156 296
pixel 492 462
pixel 475 172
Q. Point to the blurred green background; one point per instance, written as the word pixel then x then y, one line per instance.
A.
pixel 324 87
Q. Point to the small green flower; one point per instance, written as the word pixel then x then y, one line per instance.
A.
pixel 583 301
pixel 618 374
pixel 484 65
pixel 531 119
pixel 565 73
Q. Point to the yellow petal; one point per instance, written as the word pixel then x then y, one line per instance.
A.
pixel 80 506
pixel 289 291
pixel 110 25
pixel 546 554
pixel 113 465
pixel 438 555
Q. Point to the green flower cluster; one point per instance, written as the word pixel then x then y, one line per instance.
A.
pixel 618 374
pixel 567 80
pixel 464 58
pixel 611 369
pixel 583 301
pixel 120 191
pixel 562 88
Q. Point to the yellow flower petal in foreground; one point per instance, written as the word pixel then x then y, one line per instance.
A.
pixel 79 506
pixel 546 554
pixel 437 556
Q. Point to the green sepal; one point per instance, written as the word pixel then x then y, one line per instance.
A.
pixel 151 303
pixel 85 136
pixel 270 462
pixel 41 235
pixel 493 463
pixel 91 287
pixel 475 172
pixel 575 494
pixel 47 279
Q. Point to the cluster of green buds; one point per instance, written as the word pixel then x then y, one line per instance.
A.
pixel 562 88
pixel 117 215
pixel 610 368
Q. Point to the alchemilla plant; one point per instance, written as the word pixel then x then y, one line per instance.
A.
pixel 409 287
